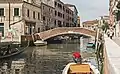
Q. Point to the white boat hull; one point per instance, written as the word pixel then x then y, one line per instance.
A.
pixel 65 70
pixel 40 43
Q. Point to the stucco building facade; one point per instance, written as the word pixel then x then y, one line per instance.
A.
pixel 75 13
pixel 47 16
pixel 63 15
pixel 22 17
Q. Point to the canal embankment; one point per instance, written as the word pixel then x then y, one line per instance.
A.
pixel 111 57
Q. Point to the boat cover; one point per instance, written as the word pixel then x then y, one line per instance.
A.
pixel 80 68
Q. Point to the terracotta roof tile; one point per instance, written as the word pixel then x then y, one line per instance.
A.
pixel 90 22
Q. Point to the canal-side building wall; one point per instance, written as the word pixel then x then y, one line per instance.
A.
pixel 114 16
pixel 59 16
pixel 47 16
pixel 78 21
pixel 75 13
pixel 63 15
pixel 26 17
pixel 21 16
pixel 69 17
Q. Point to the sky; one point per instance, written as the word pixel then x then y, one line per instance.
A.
pixel 90 9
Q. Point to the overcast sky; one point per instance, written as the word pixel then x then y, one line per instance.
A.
pixel 90 9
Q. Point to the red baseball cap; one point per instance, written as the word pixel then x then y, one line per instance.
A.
pixel 76 55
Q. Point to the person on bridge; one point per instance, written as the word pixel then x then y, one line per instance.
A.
pixel 77 57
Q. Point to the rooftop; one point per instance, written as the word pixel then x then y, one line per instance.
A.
pixel 90 22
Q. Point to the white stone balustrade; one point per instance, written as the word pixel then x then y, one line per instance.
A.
pixel 112 57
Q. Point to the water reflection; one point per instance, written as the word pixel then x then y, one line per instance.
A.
pixel 51 59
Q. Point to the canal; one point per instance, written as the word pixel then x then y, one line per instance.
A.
pixel 51 59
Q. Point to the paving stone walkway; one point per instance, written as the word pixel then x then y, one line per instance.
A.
pixel 116 40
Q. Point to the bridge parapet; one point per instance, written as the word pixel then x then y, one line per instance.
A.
pixel 65 30
pixel 112 57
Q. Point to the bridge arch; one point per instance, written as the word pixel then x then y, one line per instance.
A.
pixel 66 30
pixel 66 33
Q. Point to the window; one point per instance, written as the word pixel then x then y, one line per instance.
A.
pixel 63 15
pixel 17 71
pixel 55 13
pixel 55 4
pixel 16 11
pixel 63 8
pixel 58 5
pixel 49 9
pixel 28 13
pixel 2 28
pixel 1 11
pixel 43 7
pixel 38 30
pixel 59 14
pixel 59 23
pixel 38 15
pixel 34 14
pixel 55 22
pixel 44 18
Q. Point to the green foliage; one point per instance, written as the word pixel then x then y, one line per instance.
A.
pixel 105 26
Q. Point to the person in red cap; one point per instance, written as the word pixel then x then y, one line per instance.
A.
pixel 77 57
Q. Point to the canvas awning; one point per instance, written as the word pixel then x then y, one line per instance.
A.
pixel 80 68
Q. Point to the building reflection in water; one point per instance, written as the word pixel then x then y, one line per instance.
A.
pixel 17 67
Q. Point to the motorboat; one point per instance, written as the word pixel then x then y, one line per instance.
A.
pixel 91 44
pixel 84 68
pixel 40 43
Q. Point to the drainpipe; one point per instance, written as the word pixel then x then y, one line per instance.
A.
pixel 9 15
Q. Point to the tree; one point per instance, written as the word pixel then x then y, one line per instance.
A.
pixel 105 27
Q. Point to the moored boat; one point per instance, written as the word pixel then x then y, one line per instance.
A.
pixel 40 43
pixel 84 68
pixel 91 45
pixel 8 51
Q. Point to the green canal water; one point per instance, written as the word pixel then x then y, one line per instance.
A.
pixel 51 59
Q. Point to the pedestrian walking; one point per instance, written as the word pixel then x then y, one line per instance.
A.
pixel 108 33
pixel 111 34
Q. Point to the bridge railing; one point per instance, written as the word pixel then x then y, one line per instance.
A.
pixel 111 57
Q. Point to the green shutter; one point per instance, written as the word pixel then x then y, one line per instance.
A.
pixel 16 11
pixel 1 11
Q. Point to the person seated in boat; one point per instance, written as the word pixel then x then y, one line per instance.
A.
pixel 77 57
pixel 8 49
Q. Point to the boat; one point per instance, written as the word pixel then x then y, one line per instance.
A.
pixel 40 43
pixel 5 52
pixel 91 44
pixel 84 68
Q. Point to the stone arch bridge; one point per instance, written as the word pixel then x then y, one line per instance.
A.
pixel 65 30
